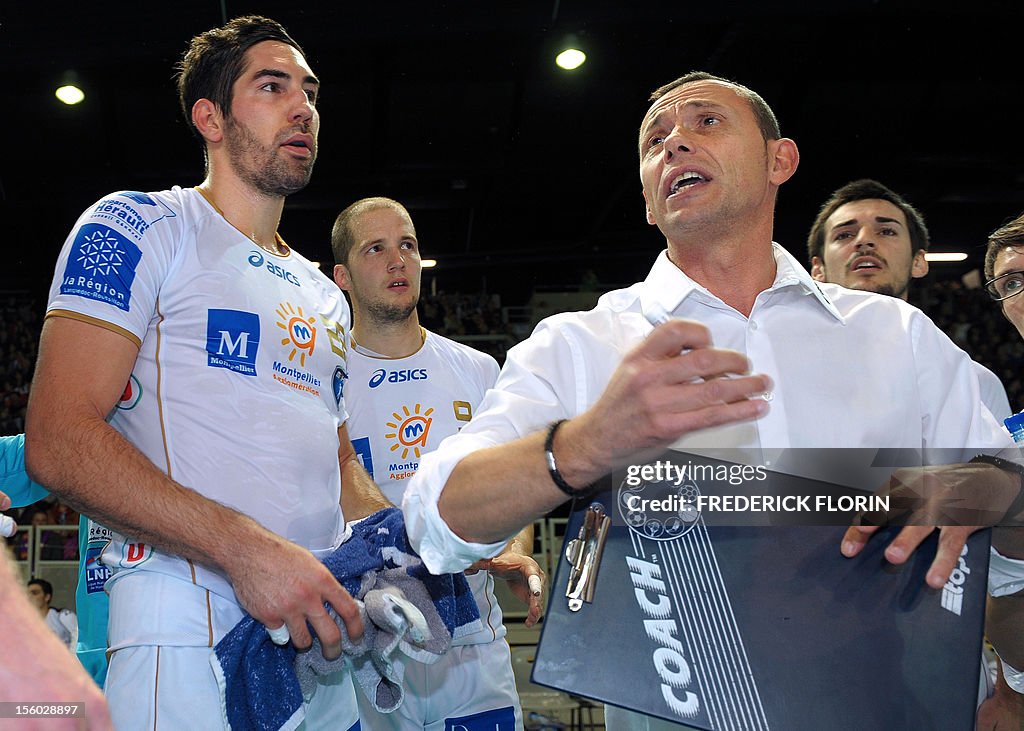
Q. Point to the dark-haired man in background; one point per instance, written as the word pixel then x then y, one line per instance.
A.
pixel 868 237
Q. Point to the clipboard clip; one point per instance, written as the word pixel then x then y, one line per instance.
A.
pixel 584 553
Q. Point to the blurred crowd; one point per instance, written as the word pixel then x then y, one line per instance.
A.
pixel 973 321
pixel 19 337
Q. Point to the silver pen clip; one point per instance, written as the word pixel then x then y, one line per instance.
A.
pixel 584 553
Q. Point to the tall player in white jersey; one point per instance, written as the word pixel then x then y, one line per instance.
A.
pixel 408 389
pixel 221 475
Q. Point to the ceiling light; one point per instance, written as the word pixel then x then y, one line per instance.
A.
pixel 428 263
pixel 944 256
pixel 69 89
pixel 570 58
pixel 70 94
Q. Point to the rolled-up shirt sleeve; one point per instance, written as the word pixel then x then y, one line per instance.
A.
pixel 544 379
pixel 440 548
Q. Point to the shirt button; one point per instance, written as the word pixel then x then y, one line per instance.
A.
pixel 753 324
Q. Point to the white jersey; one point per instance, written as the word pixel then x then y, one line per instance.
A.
pixel 402 408
pixel 236 392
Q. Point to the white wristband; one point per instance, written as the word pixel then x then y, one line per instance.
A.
pixel 7 526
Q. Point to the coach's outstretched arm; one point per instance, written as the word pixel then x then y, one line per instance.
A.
pixel 81 372
pixel 671 384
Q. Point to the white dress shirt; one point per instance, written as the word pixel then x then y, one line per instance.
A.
pixel 849 368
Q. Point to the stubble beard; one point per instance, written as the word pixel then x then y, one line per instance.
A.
pixel 887 289
pixel 386 314
pixel 265 170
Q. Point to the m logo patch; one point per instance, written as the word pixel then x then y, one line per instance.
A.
pixel 232 340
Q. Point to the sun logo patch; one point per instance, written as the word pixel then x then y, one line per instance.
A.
pixel 410 430
pixel 300 329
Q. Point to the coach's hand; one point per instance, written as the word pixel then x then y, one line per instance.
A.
pixel 958 499
pixel 672 383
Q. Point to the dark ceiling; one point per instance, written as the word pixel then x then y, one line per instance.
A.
pixel 517 173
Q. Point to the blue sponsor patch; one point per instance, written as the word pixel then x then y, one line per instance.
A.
pixel 338 383
pixel 101 266
pixel 96 574
pixel 363 451
pixel 140 198
pixel 232 340
pixel 500 719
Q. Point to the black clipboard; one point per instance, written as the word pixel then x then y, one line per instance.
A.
pixel 769 628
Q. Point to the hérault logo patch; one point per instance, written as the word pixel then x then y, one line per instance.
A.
pixel 123 210
pixel 101 266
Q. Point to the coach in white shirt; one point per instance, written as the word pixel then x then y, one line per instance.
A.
pixel 711 162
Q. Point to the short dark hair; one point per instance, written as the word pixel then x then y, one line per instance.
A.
pixel 215 59
pixel 43 584
pixel 767 122
pixel 342 237
pixel 1007 236
pixel 860 190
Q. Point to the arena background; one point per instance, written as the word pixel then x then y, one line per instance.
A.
pixel 518 174
pixel 521 178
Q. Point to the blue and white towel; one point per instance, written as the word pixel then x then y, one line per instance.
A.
pixel 260 681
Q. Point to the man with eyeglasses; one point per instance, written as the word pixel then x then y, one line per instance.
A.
pixel 1004 270
pixel 868 237
pixel 1004 274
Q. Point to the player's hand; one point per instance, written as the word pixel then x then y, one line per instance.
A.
pixel 958 499
pixel 672 383
pixel 517 570
pixel 1004 711
pixel 281 583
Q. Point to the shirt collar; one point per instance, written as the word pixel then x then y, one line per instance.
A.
pixel 789 272
pixel 667 286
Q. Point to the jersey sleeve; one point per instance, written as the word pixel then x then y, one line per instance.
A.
pixel 114 261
